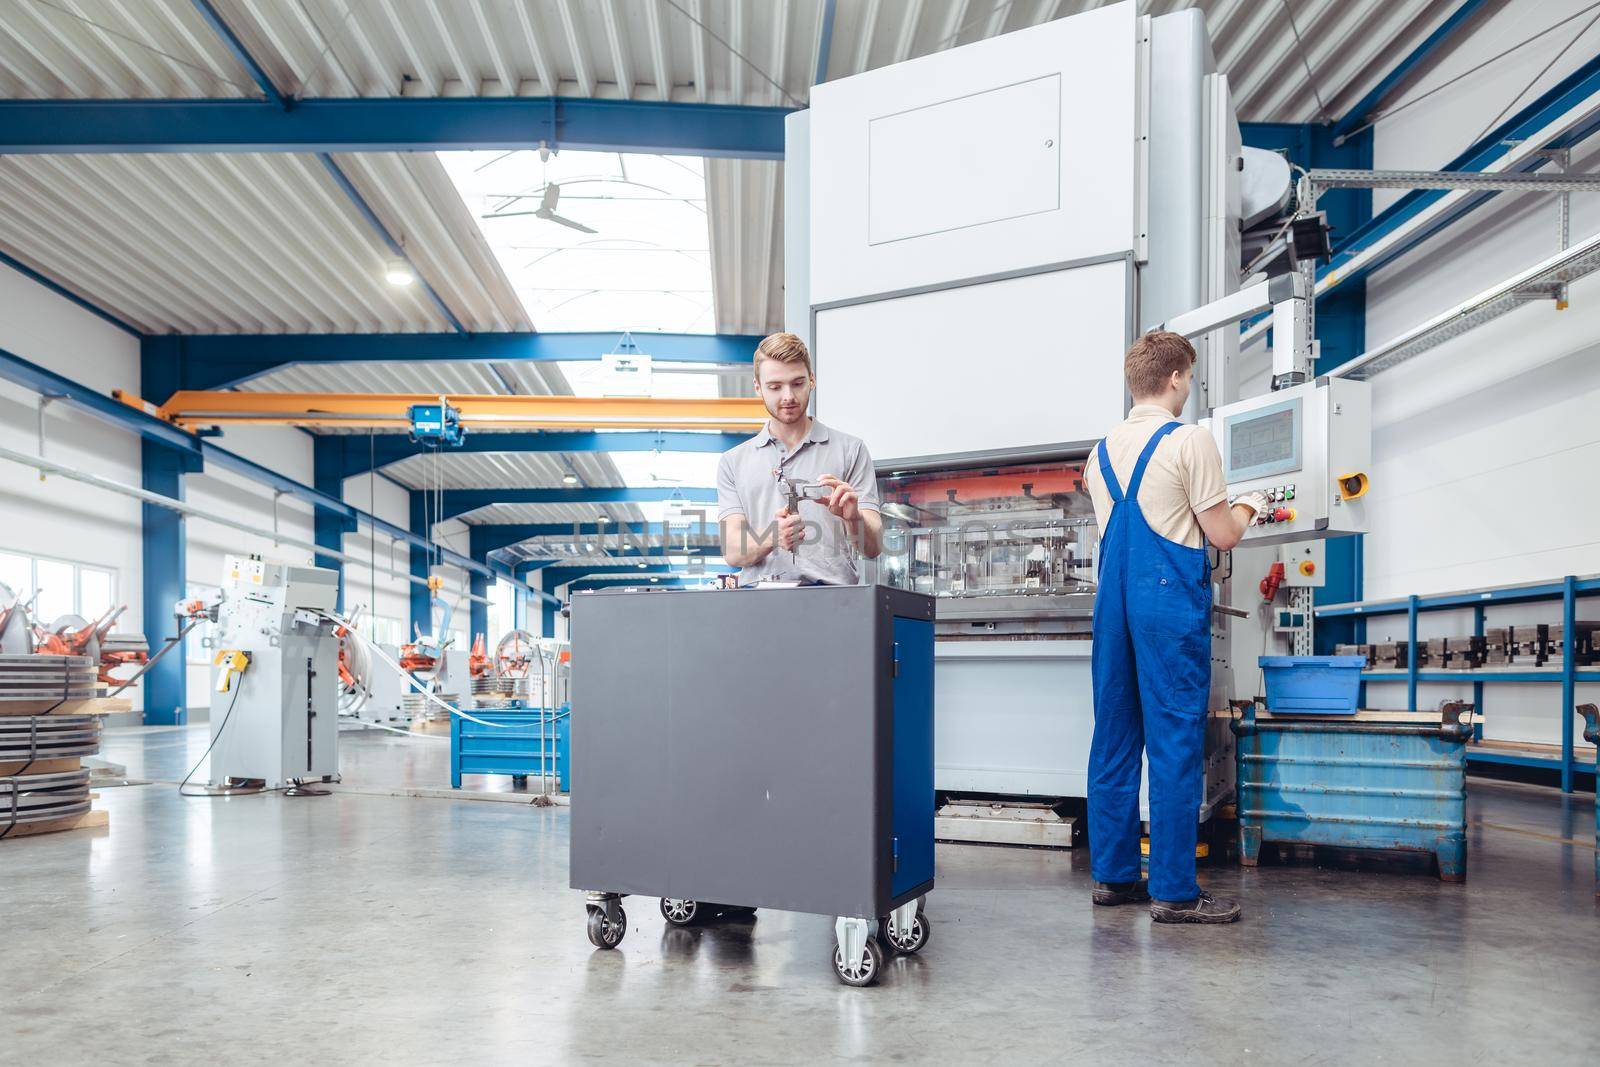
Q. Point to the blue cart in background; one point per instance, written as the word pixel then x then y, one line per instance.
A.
pixel 1368 780
pixel 1591 734
pixel 525 742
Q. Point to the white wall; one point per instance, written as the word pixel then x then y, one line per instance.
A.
pixel 1485 448
pixel 60 518
pixel 285 451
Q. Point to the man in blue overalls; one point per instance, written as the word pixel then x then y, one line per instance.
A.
pixel 1160 498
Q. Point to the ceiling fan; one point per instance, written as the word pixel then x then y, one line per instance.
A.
pixel 547 210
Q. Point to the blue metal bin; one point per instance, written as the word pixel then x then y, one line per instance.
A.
pixel 1316 685
pixel 1591 734
pixel 532 741
pixel 1366 784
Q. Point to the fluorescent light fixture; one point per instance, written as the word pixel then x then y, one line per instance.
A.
pixel 398 272
pixel 569 478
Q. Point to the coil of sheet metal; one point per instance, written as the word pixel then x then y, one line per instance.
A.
pixel 30 677
pixel 42 797
pixel 27 738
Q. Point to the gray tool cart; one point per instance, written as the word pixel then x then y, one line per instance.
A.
pixel 760 747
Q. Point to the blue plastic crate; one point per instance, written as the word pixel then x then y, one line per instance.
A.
pixel 1313 685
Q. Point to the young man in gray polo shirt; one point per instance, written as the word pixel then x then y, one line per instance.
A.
pixel 759 535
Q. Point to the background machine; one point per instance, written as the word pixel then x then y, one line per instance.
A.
pixel 275 717
pixel 970 251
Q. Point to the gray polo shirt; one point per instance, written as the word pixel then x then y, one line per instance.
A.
pixel 747 486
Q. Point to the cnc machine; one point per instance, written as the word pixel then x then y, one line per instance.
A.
pixel 277 720
pixel 973 239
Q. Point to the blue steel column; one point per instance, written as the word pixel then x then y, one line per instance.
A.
pixel 421 605
pixel 478 585
pixel 547 610
pixel 1569 611
pixel 163 544
pixel 328 528
pixel 1477 687
pixel 162 558
pixel 1412 657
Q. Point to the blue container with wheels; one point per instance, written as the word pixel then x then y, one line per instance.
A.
pixel 1591 734
pixel 1316 685
pixel 1374 780
pixel 525 742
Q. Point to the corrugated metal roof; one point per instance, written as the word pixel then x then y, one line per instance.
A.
pixel 267 243
pixel 250 243
pixel 503 470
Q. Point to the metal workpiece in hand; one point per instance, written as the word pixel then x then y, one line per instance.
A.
pixel 797 490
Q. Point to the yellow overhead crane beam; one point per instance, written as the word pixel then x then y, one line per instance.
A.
pixel 193 409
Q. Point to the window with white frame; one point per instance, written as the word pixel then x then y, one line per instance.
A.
pixel 502 612
pixel 60 587
pixel 385 631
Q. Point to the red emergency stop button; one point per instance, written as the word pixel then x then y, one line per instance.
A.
pixel 1307 568
pixel 1283 515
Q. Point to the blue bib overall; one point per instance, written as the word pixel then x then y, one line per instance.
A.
pixel 1152 675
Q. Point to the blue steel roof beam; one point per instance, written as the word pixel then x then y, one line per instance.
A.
pixel 385 449
pixel 258 74
pixel 825 41
pixel 342 180
pixel 389 124
pixel 219 361
pixel 396 249
pixel 1450 33
pixel 1576 97
pixel 600 538
pixel 527 567
pixel 461 501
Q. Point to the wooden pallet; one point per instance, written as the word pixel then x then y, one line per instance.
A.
pixel 89 820
pixel 88 706
pixel 43 766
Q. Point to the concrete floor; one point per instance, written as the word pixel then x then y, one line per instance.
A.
pixel 359 928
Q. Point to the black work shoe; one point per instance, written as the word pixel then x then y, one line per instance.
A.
pixel 1202 909
pixel 1110 894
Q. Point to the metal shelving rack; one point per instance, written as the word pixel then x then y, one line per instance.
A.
pixel 1567 590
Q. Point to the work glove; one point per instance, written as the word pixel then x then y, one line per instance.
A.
pixel 1256 501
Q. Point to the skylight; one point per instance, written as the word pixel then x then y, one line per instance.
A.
pixel 645 266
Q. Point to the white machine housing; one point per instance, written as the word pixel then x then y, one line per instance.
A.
pixel 284 718
pixel 977 235
pixel 1295 445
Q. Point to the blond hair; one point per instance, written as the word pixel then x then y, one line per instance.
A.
pixel 1152 360
pixel 782 348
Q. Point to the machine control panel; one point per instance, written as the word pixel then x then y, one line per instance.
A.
pixel 1308 449
pixel 1282 511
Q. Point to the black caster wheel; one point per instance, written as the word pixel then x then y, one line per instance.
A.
pixel 865 974
pixel 907 942
pixel 679 912
pixel 603 933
